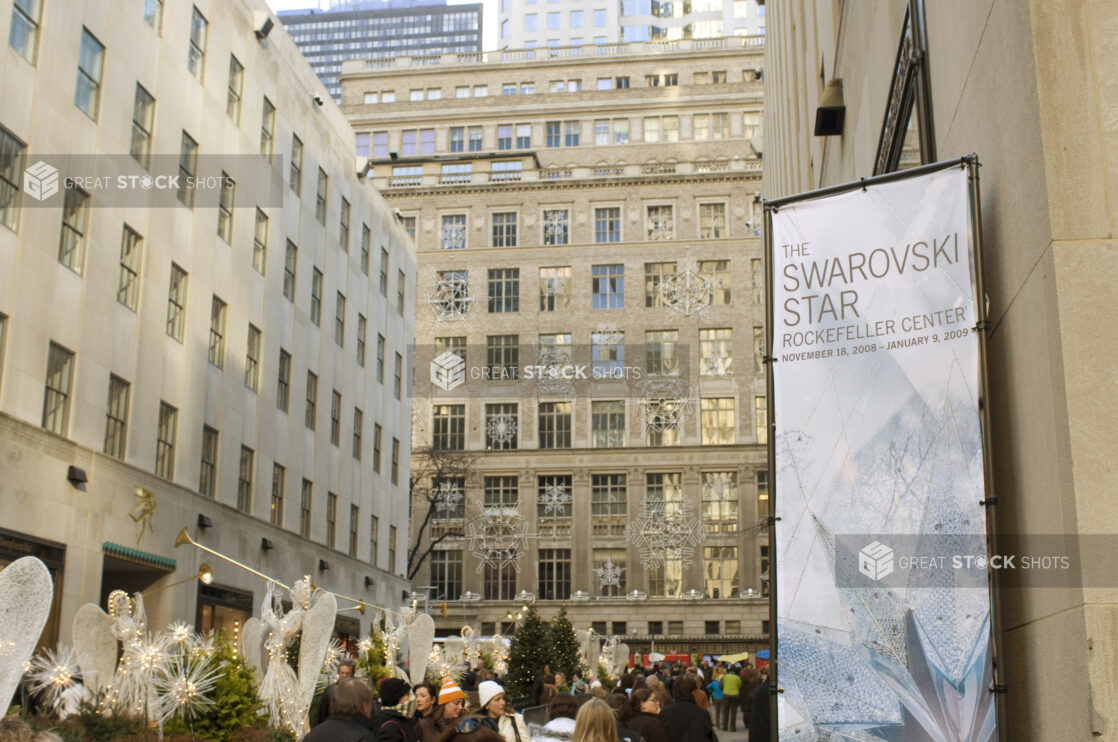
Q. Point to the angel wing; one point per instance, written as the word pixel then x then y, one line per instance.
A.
pixel 318 625
pixel 421 637
pixel 95 645
pixel 252 645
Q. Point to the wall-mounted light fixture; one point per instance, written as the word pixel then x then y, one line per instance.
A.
pixel 266 544
pixel 205 521
pixel 323 565
pixel 831 113
pixel 76 475
pixel 369 581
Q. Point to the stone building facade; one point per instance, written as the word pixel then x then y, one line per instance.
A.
pixel 589 253
pixel 199 358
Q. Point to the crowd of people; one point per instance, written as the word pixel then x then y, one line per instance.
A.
pixel 655 704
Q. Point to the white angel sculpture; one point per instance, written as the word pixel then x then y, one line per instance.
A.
pixel 98 635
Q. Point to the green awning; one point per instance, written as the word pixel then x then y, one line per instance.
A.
pixel 138 557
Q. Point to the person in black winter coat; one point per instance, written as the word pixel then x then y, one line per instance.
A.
pixel 394 723
pixel 349 716
pixel 759 730
pixel 684 719
pixel 646 716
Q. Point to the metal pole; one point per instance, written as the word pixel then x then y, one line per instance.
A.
pixel 770 410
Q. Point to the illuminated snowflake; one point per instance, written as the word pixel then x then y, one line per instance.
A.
pixel 555 227
pixel 662 534
pixel 448 495
pixel 554 498
pixel 665 402
pixel 498 537
pixel 609 574
pixel 500 429
pixel 450 298
pixel 688 292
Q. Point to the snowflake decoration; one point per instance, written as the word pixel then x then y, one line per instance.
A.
pixel 688 292
pixel 555 499
pixel 500 429
pixel 665 402
pixel 498 537
pixel 551 381
pixel 660 535
pixel 453 236
pixel 447 496
pixel 555 286
pixel 450 298
pixel 555 227
pixel 609 574
pixel 721 486
pixel 183 688
pixel 660 225
pixel 608 334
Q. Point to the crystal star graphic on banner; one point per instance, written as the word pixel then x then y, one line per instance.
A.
pixel 450 298
pixel 688 292
pixel 498 537
pixel 660 535
pixel 500 429
pixel 447 496
pixel 721 486
pixel 609 574
pixel 554 499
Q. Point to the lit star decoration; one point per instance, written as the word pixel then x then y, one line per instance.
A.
pixel 609 574
pixel 183 689
pixel 180 632
pixel 661 535
pixel 688 292
pixel 52 673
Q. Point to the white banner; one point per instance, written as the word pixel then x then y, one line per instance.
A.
pixel 876 380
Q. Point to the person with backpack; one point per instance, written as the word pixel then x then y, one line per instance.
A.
pixel 394 722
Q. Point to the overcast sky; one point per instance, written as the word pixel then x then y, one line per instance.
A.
pixel 489 33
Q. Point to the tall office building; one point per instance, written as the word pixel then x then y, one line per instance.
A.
pixel 224 358
pixel 530 24
pixel 381 28
pixel 589 397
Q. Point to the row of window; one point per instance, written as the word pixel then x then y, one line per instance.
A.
pixel 608 566
pixel 567 133
pixel 661 422
pixel 609 496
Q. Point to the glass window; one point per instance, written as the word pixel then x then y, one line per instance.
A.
pixel 600 18
pixel 310 416
pixel 339 320
pixel 260 242
pixel 720 567
pixel 717 421
pixel 196 54
pixel 720 501
pixel 607 423
pixel 655 275
pixel 607 224
pixel 608 566
pixel 553 498
pixel 366 247
pixel 234 89
pixel 446 573
pixel 217 333
pixel 75 222
pixel 662 352
pixel 166 433
pixel 457 139
pixel 374 538
pixel 268 129
pixel 335 417
pixel 499 582
pixel 608 286
pixel 23 36
pixel 244 480
pixel 331 519
pixel 176 303
pixel 659 224
pixel 554 288
pixel 607 352
pixel 128 291
pixel 501 426
pixel 718 271
pixel 608 495
pixel 283 380
pixel 116 417
pixel 320 196
pixel 12 160
pixel 554 577
pixel 56 397
pixel 225 204
pixel 504 290
pixel 91 60
pixel 502 492
pixel 448 427
pixel 555 424
pixel 207 477
pixel 316 297
pixel 188 169
pixel 761 419
pixel 380 144
pixel 378 442
pixel 252 358
pixel 570 133
pixel 552 133
pixel 380 358
pixel 504 229
pixel 460 172
pixel 143 116
pixel 306 504
pixel 530 22
pixel 716 356
pixel 502 355
pixel 289 262
pixel 296 179
pixel 556 226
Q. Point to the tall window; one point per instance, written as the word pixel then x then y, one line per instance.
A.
pixel 458 137
pixel 306 504
pixel 24 33
pixel 143 117
pixel 196 54
pixel 761 419
pixel 661 349
pixel 188 169
pixel 720 501
pixel 153 14
pixel 354 515
pixel 607 424
pixel 331 519
pixel 75 222
pixel 310 418
pixel 116 417
pixel 268 129
pixel 244 480
pixel 718 271
pixel 260 242
pixel 555 286
pixel 659 224
pixel 717 421
pixel 225 204
pixel 91 60
pixel 502 357
pixel 128 292
pixel 252 359
pixel 475 137
pixel 504 229
pixel 499 582
pixel 397 379
pixel 553 133
pixel 762 494
pixel 335 417
pixel 12 156
pixel 383 280
pixel 394 475
pixel 553 496
pixel 712 221
pixel 378 441
pixel 217 333
pixel 283 380
pixel 235 89
pixel 207 478
pixel 554 574
pixel 392 549
pixel 716 357
pixel 758 350
pixel 166 433
pixel 571 133
pixel 756 280
pixel 343 225
pixel 609 567
pixel 504 136
pixel 366 246
pixel 504 290
pixel 362 328
pixel 453 235
pixel 720 570
pixel 655 274
pixel 374 539
pixel 316 297
pixel 607 224
pixel 176 303
pixel 401 287
pixel 501 426
pixel 358 425
pixel 607 354
pixel 555 424
pixel 608 286
pixel 448 424
pixel 608 495
pixel 556 226
pixel 295 180
pixel 339 320
pixel 502 492
pixel 320 196
pixel 279 484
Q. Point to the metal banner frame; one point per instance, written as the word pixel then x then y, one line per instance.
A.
pixel 988 503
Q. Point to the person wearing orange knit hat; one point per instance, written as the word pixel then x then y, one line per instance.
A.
pixel 451 702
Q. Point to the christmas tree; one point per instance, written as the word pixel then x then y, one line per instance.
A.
pixel 564 648
pixel 528 653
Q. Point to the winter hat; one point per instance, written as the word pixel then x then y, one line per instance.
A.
pixel 487 690
pixel 450 692
pixel 392 690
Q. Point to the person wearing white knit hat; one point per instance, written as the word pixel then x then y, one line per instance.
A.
pixel 511 726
